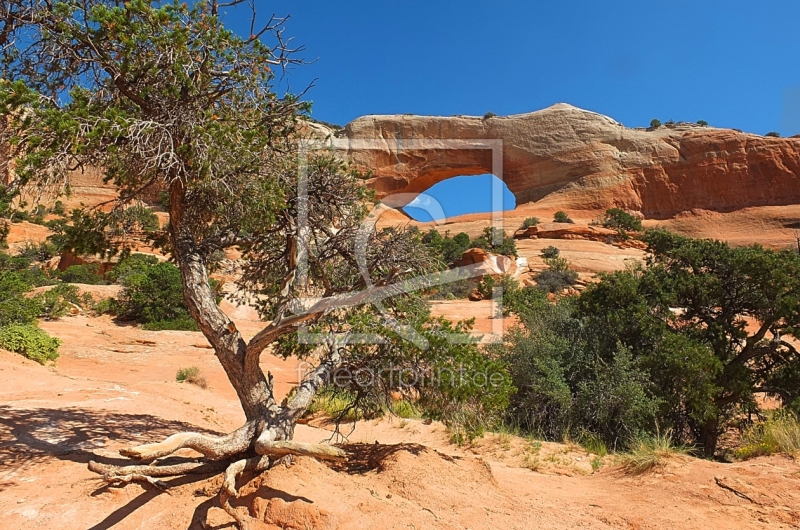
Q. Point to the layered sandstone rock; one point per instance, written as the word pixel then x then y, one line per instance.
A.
pixel 576 159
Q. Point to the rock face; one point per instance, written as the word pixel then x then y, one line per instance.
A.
pixel 576 159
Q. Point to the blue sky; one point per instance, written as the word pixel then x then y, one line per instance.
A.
pixel 732 63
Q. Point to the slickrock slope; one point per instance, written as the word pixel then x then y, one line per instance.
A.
pixel 582 160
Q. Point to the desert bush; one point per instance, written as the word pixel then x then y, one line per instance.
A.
pixel 508 283
pixel 15 308
pixel 133 263
pixel 486 241
pixel 42 251
pixel 557 276
pixel 562 217
pixel 153 296
pixel 621 220
pixel 773 134
pixel 58 208
pixel 530 221
pixel 702 123
pixel 655 123
pixel 191 375
pixel 647 453
pixel 489 115
pixel 87 274
pixel 57 301
pixel 404 409
pixel 550 252
pixel 778 434
pixel 29 341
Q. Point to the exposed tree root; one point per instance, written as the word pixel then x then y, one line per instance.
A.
pixel 229 490
pixel 120 475
pixel 212 447
pixel 283 448
pixel 219 451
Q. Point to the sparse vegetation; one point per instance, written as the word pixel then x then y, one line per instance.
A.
pixel 780 433
pixel 153 296
pixel 702 123
pixel 550 252
pixel 557 276
pixel 29 341
pixel 530 221
pixel 773 134
pixel 647 453
pixel 621 220
pixel 191 375
pixel 655 123
pixel 87 274
pixel 562 217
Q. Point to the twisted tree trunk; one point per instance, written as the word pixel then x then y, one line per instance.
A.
pixel 266 435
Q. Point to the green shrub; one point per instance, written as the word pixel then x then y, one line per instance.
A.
pixel 191 375
pixel 530 221
pixel 487 241
pixel 42 251
pixel 773 134
pixel 621 220
pixel 550 252
pixel 557 276
pixel 133 263
pixel 702 123
pixel 56 302
pixel 86 274
pixel 30 341
pixel 5 228
pixel 562 217
pixel 655 123
pixel 404 409
pixel 336 404
pixel 58 208
pixel 153 296
pixel 15 308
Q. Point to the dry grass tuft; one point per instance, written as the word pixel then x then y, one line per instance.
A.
pixel 650 453
pixel 191 375
pixel 779 434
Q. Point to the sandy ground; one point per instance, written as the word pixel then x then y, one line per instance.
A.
pixel 115 385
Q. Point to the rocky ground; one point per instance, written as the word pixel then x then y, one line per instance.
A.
pixel 115 385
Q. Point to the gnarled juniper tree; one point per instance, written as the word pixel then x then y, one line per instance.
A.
pixel 161 94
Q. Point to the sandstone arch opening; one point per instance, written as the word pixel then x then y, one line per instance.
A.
pixel 461 195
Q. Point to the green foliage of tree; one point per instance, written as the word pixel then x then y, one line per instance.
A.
pixel 655 123
pixel 567 386
pixel 621 220
pixel 705 364
pixel 163 94
pixel 773 134
pixel 14 306
pixel 133 263
pixel 702 123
